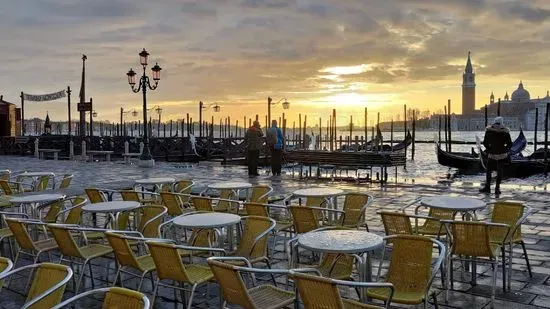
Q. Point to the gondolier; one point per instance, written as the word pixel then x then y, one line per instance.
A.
pixel 497 142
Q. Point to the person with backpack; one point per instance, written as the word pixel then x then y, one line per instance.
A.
pixel 275 142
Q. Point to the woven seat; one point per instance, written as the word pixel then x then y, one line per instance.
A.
pixel 170 267
pixel 319 293
pixel 234 290
pixel 115 297
pixel 26 244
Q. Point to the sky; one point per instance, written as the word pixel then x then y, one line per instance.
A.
pixel 317 54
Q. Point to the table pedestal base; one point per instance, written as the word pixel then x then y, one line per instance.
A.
pixel 146 163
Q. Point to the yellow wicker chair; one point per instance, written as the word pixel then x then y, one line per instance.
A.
pixel 322 293
pixel 139 196
pixel 27 246
pixel 68 248
pixel 115 297
pixel 201 203
pixel 73 213
pixel 169 266
pixel 95 195
pixel 150 220
pixel 473 239
pixel 48 284
pixel 260 194
pixel 513 214
pixel 354 208
pixel 227 202
pixel 5 266
pixel 235 291
pixel 283 224
pixel 254 240
pixel 5 201
pixel 43 183
pixel 174 203
pixel 126 258
pixel 5 175
pixel 184 187
pixel 5 232
pixel 10 187
pixel 410 270
pixel 66 181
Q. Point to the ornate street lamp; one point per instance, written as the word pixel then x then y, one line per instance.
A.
pixel 286 105
pixel 94 114
pixel 145 160
pixel 215 107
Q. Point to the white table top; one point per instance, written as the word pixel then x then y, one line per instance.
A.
pixel 457 203
pixel 36 198
pixel 317 192
pixel 36 174
pixel 155 181
pixel 340 241
pixel 100 151
pixel 111 207
pixel 207 220
pixel 234 185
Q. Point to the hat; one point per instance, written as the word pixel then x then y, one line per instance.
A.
pixel 498 120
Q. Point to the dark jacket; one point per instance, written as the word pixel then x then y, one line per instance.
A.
pixel 497 141
pixel 252 138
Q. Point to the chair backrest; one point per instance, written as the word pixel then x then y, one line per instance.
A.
pixel 65 241
pixel 168 261
pixel 317 292
pixel 94 195
pixel 305 219
pixel 439 214
pixel 316 201
pixel 471 238
pixel 5 175
pixel 173 203
pixel 250 246
pixel 334 263
pixel 43 183
pixel 19 231
pixel 46 277
pixel 122 298
pixel 256 209
pixel 66 181
pixel 396 223
pixel 121 248
pixel 226 194
pixel 354 206
pixel 183 186
pixel 507 212
pixel 150 220
pixel 202 238
pixel 75 213
pixel 202 203
pixel 260 194
pixel 5 186
pixel 54 209
pixel 411 263
pixel 234 290
pixel 129 195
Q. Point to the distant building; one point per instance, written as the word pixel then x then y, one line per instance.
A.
pixel 518 111
pixel 9 118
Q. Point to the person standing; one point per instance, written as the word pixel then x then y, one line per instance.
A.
pixel 253 142
pixel 497 142
pixel 275 141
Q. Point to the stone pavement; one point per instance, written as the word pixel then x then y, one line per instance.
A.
pixel 526 292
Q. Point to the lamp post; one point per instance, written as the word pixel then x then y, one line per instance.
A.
pixel 215 106
pixel 145 159
pixel 122 112
pixel 286 105
pixel 157 109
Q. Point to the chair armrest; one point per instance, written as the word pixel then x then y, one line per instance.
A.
pixel 416 200
pixel 231 258
pixel 206 249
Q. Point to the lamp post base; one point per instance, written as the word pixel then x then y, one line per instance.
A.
pixel 146 163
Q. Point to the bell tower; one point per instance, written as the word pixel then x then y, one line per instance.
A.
pixel 468 89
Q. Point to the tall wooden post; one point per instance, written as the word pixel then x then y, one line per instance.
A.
pixel 546 138
pixel 304 135
pixel 446 140
pixel 320 134
pixel 450 127
pixel 69 110
pixel 391 133
pixel 366 129
pixel 439 129
pixel 334 126
pixel 486 116
pixel 536 128
pixel 350 129
pixel 498 107
pixel 300 130
pixel 413 133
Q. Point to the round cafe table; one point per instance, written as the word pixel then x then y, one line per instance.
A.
pixel 112 209
pixel 209 220
pixel 156 182
pixel 465 205
pixel 356 242
pixel 34 201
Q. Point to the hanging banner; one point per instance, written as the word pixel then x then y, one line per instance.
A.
pixel 45 97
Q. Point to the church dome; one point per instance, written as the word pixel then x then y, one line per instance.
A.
pixel 520 95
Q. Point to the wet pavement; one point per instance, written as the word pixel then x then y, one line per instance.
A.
pixel 527 292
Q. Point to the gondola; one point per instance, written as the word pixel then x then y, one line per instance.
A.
pixel 371 145
pixel 469 162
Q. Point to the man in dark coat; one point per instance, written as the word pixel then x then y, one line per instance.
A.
pixel 275 142
pixel 497 143
pixel 253 142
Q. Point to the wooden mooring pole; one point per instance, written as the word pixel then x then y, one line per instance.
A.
pixel 446 140
pixel 546 139
pixel 449 110
pixel 413 134
pixel 536 129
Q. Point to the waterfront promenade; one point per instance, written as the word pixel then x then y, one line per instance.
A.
pixel 527 293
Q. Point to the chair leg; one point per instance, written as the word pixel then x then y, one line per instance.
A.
pixel 272 276
pixel 91 274
pixel 189 305
pixel 494 282
pixel 526 258
pixel 116 277
pixel 155 291
pixel 141 281
pixel 503 255
pixel 80 276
